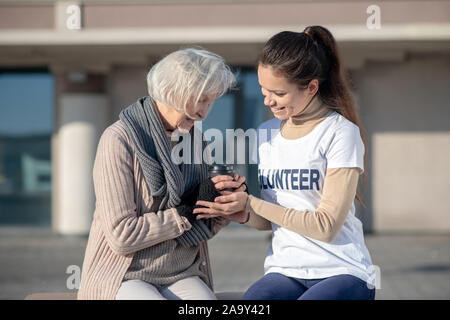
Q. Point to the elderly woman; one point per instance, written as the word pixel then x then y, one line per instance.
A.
pixel 144 242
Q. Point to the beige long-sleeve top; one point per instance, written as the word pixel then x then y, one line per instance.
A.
pixel 339 190
pixel 126 218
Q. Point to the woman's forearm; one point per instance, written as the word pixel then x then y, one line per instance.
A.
pixel 129 233
pixel 256 221
pixel 324 223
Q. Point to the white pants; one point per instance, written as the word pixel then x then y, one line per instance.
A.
pixel 192 288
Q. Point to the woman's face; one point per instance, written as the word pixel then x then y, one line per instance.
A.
pixel 284 98
pixel 178 120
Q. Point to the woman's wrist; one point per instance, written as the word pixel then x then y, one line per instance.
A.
pixel 246 211
pixel 247 217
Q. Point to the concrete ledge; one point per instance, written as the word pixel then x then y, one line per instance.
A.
pixel 52 296
pixel 225 295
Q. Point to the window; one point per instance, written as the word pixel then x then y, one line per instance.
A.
pixel 26 120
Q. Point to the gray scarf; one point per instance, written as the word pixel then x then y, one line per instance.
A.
pixel 163 177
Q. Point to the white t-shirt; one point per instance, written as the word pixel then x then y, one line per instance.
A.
pixel 291 174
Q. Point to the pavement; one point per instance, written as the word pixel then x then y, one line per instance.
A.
pixel 411 266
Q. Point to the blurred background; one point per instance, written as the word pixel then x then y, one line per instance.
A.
pixel 67 69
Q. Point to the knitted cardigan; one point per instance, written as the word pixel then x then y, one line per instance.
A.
pixel 117 231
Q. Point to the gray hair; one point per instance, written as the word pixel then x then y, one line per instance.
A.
pixel 188 74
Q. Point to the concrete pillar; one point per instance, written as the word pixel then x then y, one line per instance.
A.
pixel 81 117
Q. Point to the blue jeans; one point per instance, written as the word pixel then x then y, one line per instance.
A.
pixel 275 286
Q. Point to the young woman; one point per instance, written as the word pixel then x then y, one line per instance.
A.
pixel 308 167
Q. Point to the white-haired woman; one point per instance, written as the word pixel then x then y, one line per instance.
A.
pixel 144 242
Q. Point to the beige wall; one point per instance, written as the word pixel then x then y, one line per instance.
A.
pixel 405 109
pixel 30 16
pixel 411 181
pixel 114 14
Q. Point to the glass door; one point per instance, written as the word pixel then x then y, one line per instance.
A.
pixel 26 121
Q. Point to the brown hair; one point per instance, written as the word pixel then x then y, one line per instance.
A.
pixel 313 54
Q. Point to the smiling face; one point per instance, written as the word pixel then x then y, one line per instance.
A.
pixel 284 98
pixel 177 120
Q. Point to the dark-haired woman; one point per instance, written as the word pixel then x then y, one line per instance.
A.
pixel 308 167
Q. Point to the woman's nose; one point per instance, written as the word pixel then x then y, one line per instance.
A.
pixel 201 115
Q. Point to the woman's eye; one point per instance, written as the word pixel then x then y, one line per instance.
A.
pixel 280 94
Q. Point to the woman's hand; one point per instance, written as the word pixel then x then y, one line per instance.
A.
pixel 223 182
pixel 230 205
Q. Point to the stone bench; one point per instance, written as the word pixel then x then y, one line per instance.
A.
pixel 225 295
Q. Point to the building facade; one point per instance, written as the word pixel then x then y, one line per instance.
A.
pixel 91 59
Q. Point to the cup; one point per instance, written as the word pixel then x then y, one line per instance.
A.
pixel 221 169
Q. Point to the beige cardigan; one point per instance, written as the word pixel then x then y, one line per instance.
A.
pixel 119 227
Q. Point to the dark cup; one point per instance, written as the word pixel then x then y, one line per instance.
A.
pixel 221 169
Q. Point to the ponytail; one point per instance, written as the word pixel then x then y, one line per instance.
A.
pixel 313 54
